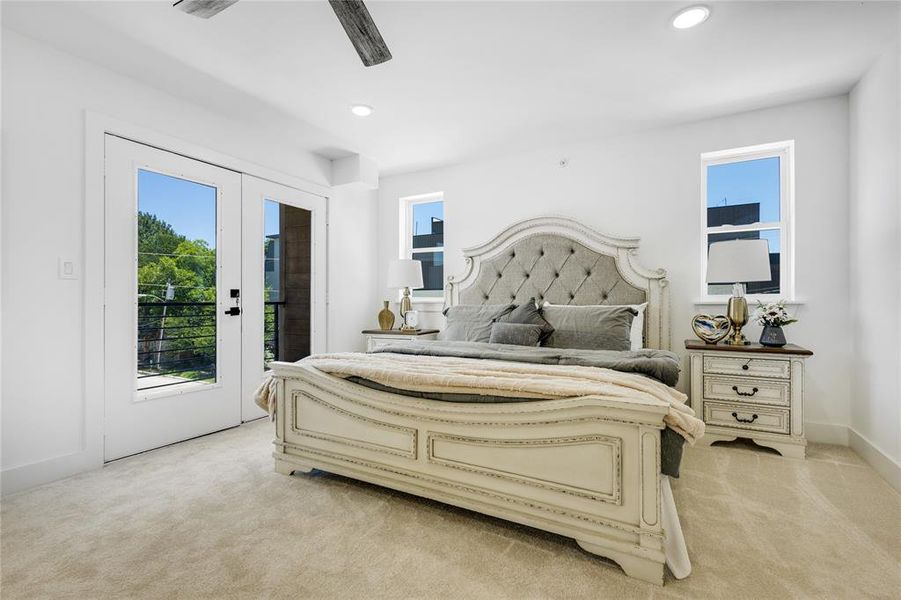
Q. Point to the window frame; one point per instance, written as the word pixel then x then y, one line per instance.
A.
pixel 406 205
pixel 785 151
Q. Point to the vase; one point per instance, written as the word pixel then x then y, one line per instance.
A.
pixel 772 335
pixel 386 317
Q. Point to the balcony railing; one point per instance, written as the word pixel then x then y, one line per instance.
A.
pixel 177 342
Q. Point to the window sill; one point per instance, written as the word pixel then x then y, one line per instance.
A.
pixel 752 301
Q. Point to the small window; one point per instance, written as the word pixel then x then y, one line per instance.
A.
pixel 423 240
pixel 748 194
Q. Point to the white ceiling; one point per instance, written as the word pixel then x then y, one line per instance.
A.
pixel 472 79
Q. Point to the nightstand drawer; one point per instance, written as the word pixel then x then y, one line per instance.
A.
pixel 745 416
pixel 754 367
pixel 755 391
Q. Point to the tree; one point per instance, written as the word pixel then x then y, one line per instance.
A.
pixel 180 338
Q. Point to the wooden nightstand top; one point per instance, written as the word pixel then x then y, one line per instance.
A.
pixel 752 348
pixel 398 332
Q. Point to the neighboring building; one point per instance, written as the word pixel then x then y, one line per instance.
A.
pixel 432 262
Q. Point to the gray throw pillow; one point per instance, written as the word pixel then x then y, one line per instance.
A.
pixel 531 314
pixel 472 322
pixel 520 334
pixel 590 327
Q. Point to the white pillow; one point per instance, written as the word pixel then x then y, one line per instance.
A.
pixel 636 334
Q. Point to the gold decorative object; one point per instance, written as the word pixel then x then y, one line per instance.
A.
pixel 711 329
pixel 737 309
pixel 386 317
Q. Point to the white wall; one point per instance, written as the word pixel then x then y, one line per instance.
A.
pixel 649 184
pixel 875 220
pixel 45 94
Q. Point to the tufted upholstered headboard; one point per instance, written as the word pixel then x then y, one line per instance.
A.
pixel 561 261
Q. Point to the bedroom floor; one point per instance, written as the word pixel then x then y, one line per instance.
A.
pixel 210 519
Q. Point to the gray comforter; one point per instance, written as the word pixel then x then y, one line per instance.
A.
pixel 656 364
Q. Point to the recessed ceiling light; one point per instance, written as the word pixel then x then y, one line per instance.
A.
pixel 361 110
pixel 691 16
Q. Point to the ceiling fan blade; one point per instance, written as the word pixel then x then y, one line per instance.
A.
pixel 361 30
pixel 203 8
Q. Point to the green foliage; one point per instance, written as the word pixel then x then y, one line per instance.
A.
pixel 188 332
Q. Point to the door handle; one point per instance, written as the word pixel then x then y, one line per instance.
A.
pixel 235 295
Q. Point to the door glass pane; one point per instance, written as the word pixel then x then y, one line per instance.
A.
pixel 286 282
pixel 745 192
pixel 176 281
pixel 432 274
pixel 760 287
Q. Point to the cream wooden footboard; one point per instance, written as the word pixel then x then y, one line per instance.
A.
pixel 584 468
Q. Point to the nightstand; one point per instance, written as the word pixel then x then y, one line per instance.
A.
pixel 376 338
pixel 753 392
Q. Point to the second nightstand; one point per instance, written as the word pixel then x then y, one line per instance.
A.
pixel 376 338
pixel 753 391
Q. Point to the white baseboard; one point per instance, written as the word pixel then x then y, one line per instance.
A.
pixel 826 433
pixel 879 460
pixel 20 478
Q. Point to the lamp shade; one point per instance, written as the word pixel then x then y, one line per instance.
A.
pixel 738 261
pixel 405 273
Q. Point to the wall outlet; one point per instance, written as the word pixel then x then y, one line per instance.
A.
pixel 66 268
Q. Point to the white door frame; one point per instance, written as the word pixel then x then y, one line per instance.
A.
pixel 90 455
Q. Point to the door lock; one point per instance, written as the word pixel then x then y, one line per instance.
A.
pixel 235 310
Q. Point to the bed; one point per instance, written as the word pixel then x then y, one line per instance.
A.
pixel 585 467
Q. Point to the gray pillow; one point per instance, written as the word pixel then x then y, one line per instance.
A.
pixel 590 327
pixel 472 322
pixel 531 314
pixel 520 334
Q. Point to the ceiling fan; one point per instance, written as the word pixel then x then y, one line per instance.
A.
pixel 352 14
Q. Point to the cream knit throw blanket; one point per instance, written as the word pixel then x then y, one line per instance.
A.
pixel 502 378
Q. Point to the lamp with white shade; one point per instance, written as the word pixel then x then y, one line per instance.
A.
pixel 738 262
pixel 405 273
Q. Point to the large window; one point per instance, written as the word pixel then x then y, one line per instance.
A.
pixel 422 231
pixel 749 194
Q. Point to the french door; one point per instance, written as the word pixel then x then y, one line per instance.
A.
pixel 284 262
pixel 209 275
pixel 172 301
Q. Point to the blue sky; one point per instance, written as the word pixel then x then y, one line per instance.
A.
pixel 422 216
pixel 744 183
pixel 270 217
pixel 188 206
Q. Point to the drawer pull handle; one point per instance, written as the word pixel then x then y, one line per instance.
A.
pixel 740 420
pixel 741 393
pixel 745 367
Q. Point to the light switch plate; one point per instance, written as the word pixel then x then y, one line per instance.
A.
pixel 66 268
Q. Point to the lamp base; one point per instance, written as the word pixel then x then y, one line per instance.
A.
pixel 737 311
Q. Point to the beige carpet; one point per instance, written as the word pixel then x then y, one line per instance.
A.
pixel 207 519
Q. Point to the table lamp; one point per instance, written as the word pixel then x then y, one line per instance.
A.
pixel 738 262
pixel 405 273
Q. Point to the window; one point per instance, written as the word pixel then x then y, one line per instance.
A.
pixel 749 194
pixel 422 230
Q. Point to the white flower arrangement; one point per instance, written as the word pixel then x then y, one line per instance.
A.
pixel 773 314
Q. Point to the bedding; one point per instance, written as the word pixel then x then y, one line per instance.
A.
pixel 636 333
pixel 660 365
pixel 438 367
pixel 529 313
pixel 519 334
pixel 595 327
pixel 472 322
